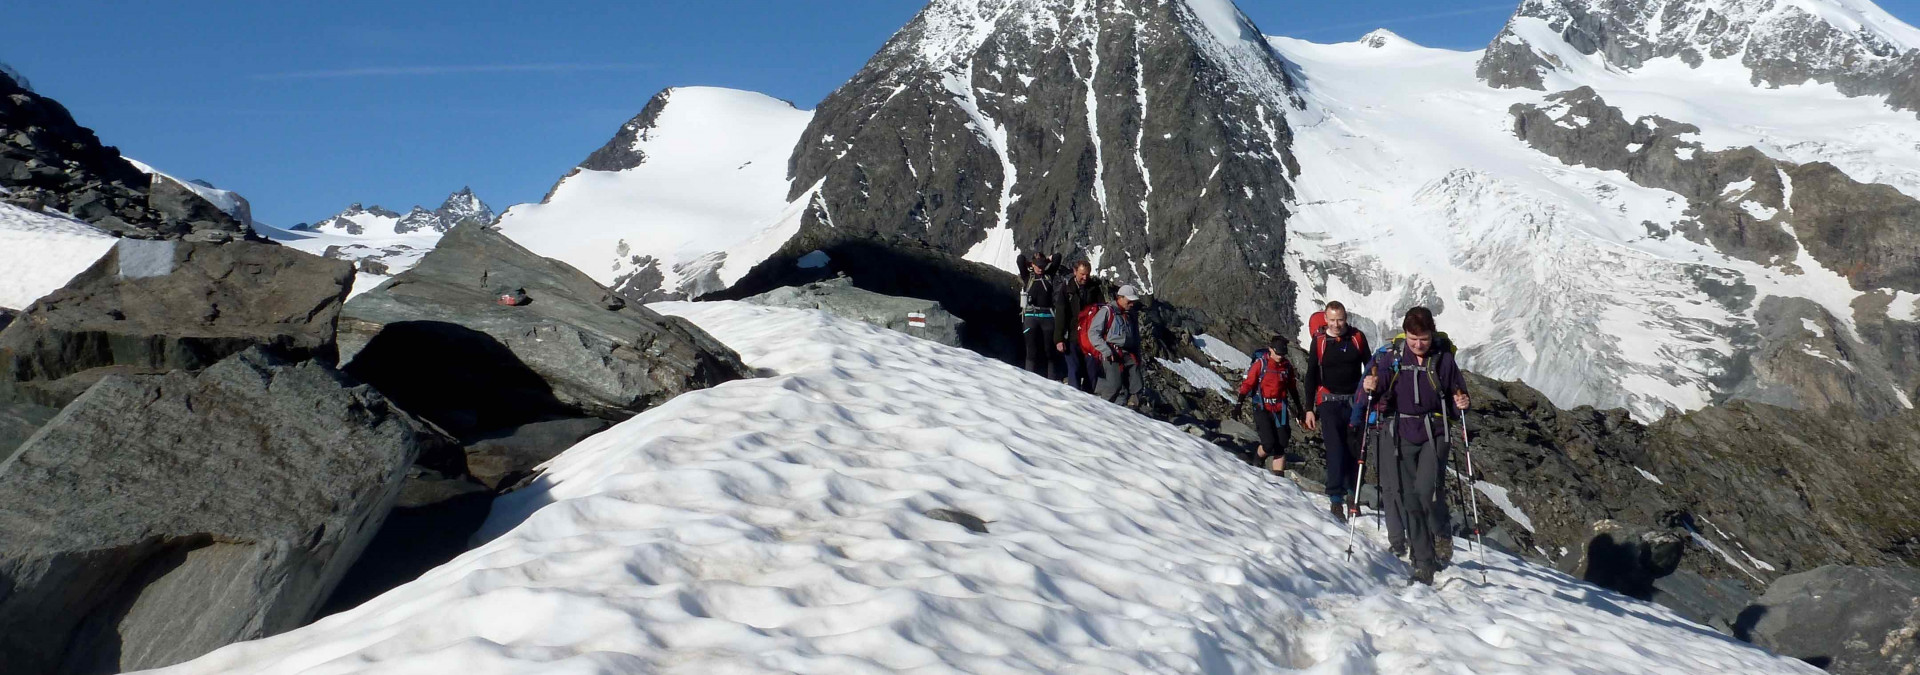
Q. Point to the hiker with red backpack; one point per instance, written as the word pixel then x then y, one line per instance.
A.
pixel 1270 382
pixel 1336 357
pixel 1071 297
pixel 1112 332
pixel 1420 379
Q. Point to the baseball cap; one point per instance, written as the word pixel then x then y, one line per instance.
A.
pixel 1129 292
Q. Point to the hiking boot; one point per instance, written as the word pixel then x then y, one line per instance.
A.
pixel 1398 549
pixel 1339 511
pixel 1423 574
pixel 1443 550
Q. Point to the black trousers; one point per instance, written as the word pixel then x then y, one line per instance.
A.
pixel 1037 334
pixel 1343 451
pixel 1275 433
pixel 1083 369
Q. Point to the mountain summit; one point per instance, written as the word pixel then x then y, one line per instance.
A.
pixel 1147 137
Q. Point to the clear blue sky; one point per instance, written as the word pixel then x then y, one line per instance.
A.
pixel 305 107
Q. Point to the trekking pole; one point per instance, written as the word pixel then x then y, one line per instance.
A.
pixel 1359 479
pixel 1479 546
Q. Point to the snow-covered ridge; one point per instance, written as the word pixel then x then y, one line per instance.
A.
pixel 713 180
pixel 810 522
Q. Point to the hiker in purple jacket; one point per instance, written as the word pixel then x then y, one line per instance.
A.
pixel 1420 380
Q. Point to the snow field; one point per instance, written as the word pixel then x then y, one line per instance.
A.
pixel 779 525
pixel 40 252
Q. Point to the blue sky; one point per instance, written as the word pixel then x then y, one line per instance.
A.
pixel 307 107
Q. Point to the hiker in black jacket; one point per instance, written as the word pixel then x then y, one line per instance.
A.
pixel 1038 279
pixel 1336 355
pixel 1079 291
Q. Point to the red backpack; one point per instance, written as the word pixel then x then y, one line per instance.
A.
pixel 1085 321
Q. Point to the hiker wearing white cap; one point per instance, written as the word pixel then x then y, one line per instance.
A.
pixel 1114 334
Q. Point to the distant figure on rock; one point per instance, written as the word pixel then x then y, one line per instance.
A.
pixel 1270 381
pixel 1336 356
pixel 1076 293
pixel 1114 334
pixel 1421 373
pixel 1039 279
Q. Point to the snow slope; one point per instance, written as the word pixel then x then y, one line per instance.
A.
pixel 714 178
pixel 1414 189
pixel 40 252
pixel 780 525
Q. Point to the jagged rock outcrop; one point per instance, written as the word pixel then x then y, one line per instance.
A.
pixel 1856 47
pixel 158 517
pixel 919 318
pixel 436 339
pixel 49 160
pixel 1846 620
pixel 154 306
pixel 1147 136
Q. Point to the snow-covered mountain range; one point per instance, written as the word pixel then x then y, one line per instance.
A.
pixel 1736 245
pixel 380 242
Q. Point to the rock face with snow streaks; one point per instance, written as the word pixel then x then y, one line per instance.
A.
pixel 1856 46
pixel 1146 136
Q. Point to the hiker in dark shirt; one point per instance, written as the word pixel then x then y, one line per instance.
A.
pixel 1076 292
pixel 1412 382
pixel 1336 355
pixel 1038 281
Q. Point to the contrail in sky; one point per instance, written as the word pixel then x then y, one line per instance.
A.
pixel 424 71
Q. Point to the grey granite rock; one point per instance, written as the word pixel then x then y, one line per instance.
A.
pixel 919 318
pixel 158 517
pixel 435 339
pixel 156 306
pixel 1846 620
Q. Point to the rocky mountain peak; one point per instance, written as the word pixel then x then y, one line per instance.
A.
pixel 1853 44
pixel 1147 137
pixel 460 206
pixel 1382 38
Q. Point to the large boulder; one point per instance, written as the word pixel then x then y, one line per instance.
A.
pixel 913 316
pixel 1843 619
pixel 440 342
pixel 155 306
pixel 158 517
pixel 1626 558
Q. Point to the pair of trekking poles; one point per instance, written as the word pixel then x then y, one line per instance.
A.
pixel 1466 484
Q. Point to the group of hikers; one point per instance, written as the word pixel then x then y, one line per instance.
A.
pixel 1392 406
pixel 1066 318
